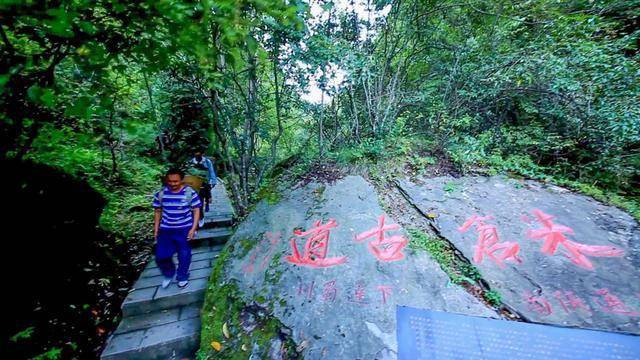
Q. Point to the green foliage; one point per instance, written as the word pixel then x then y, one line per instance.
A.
pixel 421 162
pixel 450 187
pixel 128 192
pixel 51 354
pixel 470 156
pixel 112 92
pixel 550 94
pixel 368 150
pixel 493 298
pixel 269 191
pixel 443 254
pixel 23 335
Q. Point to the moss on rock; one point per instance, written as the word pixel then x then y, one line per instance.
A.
pixel 251 328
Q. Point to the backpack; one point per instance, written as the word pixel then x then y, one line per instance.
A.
pixel 188 191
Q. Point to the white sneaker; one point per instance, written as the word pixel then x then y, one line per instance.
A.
pixel 201 223
pixel 183 284
pixel 166 282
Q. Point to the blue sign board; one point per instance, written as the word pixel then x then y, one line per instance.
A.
pixel 424 334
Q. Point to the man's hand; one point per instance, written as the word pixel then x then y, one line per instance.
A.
pixel 191 234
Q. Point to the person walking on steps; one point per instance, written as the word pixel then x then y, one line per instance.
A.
pixel 177 210
pixel 204 167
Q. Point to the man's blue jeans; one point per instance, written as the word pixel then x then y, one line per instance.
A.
pixel 171 241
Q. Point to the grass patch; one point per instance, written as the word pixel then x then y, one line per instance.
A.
pixel 493 298
pixel 247 245
pixel 450 187
pixel 457 270
pixel 269 192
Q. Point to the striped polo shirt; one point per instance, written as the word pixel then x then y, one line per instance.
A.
pixel 177 209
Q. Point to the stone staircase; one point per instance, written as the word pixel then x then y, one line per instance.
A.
pixel 165 323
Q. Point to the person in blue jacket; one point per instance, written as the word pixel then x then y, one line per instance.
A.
pixel 206 167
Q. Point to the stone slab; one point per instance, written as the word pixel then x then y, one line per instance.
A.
pixel 152 269
pixel 145 321
pixel 139 295
pixel 338 310
pixel 174 291
pixel 146 282
pixel 178 340
pixel 122 343
pixel 213 233
pixel 554 286
pixel 173 340
pixel 168 298
pixel 190 311
pixel 204 255
pixel 161 334
pixel 201 249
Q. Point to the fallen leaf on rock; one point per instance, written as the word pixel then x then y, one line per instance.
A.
pixel 432 215
pixel 225 330
pixel 216 345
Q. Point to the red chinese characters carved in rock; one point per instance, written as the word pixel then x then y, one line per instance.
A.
pixel 316 247
pixel 489 244
pixel 384 248
pixel 385 292
pixel 359 293
pixel 538 304
pixel 329 292
pixel 267 251
pixel 554 236
pixel 570 302
pixel 306 290
pixel 612 304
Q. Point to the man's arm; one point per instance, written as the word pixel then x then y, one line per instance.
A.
pixel 157 215
pixel 194 227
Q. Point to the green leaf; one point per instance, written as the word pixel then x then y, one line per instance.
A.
pixel 24 334
pixel 252 44
pixel 60 24
pixel 82 108
pixel 42 96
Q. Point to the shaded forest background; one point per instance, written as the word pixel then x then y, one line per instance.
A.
pixel 108 93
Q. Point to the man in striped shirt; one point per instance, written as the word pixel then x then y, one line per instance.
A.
pixel 177 210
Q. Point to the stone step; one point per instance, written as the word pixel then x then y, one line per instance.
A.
pixel 154 298
pixel 212 236
pixel 148 296
pixel 215 220
pixel 152 269
pixel 212 253
pixel 198 254
pixel 170 334
pixel 165 323
pixel 151 281
pixel 149 320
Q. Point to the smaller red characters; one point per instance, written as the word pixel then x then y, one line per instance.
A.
pixel 538 304
pixel 612 304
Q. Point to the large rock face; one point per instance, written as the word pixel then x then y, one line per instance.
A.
pixel 338 292
pixel 555 257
